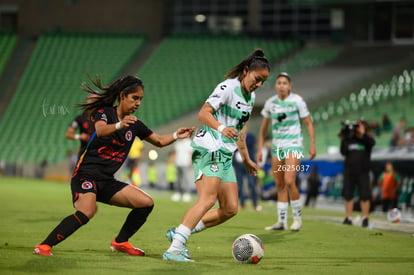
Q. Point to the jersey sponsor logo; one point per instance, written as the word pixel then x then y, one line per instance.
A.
pixel 114 141
pixel 109 153
pixel 128 135
pixel 86 185
pixel 239 104
pixel 215 96
pixel 222 87
pixel 356 147
pixel 283 109
pixel 214 168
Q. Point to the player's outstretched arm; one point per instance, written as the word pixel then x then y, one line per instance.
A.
pixel 103 129
pixel 161 141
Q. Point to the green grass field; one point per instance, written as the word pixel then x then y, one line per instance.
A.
pixel 30 209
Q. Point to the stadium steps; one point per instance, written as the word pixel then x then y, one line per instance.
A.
pixel 141 57
pixel 7 43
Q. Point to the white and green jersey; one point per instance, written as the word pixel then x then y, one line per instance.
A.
pixel 232 109
pixel 285 116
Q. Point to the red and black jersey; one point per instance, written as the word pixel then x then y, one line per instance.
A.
pixel 105 155
pixel 85 125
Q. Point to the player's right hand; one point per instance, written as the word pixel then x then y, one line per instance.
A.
pixel 128 120
pixel 230 132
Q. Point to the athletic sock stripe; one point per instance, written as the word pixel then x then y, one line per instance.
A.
pixel 77 218
pixel 181 235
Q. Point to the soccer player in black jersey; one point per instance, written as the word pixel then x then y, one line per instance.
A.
pixel 93 179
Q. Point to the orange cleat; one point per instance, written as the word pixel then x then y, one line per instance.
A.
pixel 126 247
pixel 43 249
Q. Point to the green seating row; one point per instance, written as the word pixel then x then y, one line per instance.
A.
pixel 44 103
pixel 394 98
pixel 184 70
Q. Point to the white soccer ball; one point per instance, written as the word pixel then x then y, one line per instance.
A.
pixel 394 215
pixel 248 249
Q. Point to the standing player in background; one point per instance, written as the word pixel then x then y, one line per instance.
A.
pixel 183 152
pixel 85 126
pixel 93 179
pixel 224 116
pixel 286 110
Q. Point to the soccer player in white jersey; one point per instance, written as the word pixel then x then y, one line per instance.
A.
pixel 224 115
pixel 285 110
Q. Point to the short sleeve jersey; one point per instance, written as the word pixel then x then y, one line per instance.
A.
pixel 232 108
pixel 105 155
pixel 85 125
pixel 285 116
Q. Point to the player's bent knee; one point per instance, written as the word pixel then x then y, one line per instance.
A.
pixel 90 213
pixel 229 212
pixel 148 202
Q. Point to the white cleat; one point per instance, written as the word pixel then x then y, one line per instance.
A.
pixel 277 226
pixel 297 224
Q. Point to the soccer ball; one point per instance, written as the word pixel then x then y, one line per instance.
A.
pixel 394 215
pixel 248 249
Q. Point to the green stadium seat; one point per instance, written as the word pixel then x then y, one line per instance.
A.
pixel 393 97
pixel 58 65
pixel 185 68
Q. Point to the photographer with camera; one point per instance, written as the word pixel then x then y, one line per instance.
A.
pixel 356 147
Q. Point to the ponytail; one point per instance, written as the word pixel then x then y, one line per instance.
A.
pixel 256 60
pixel 127 84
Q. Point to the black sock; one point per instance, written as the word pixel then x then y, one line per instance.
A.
pixel 133 222
pixel 66 227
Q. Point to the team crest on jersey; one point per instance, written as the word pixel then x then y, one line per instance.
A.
pixel 128 135
pixel 214 167
pixel 86 185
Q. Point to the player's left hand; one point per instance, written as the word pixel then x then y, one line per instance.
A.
pixel 251 167
pixel 185 132
pixel 312 151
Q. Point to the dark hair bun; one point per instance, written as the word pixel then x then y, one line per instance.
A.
pixel 258 53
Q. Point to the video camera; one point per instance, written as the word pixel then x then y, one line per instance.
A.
pixel 348 129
